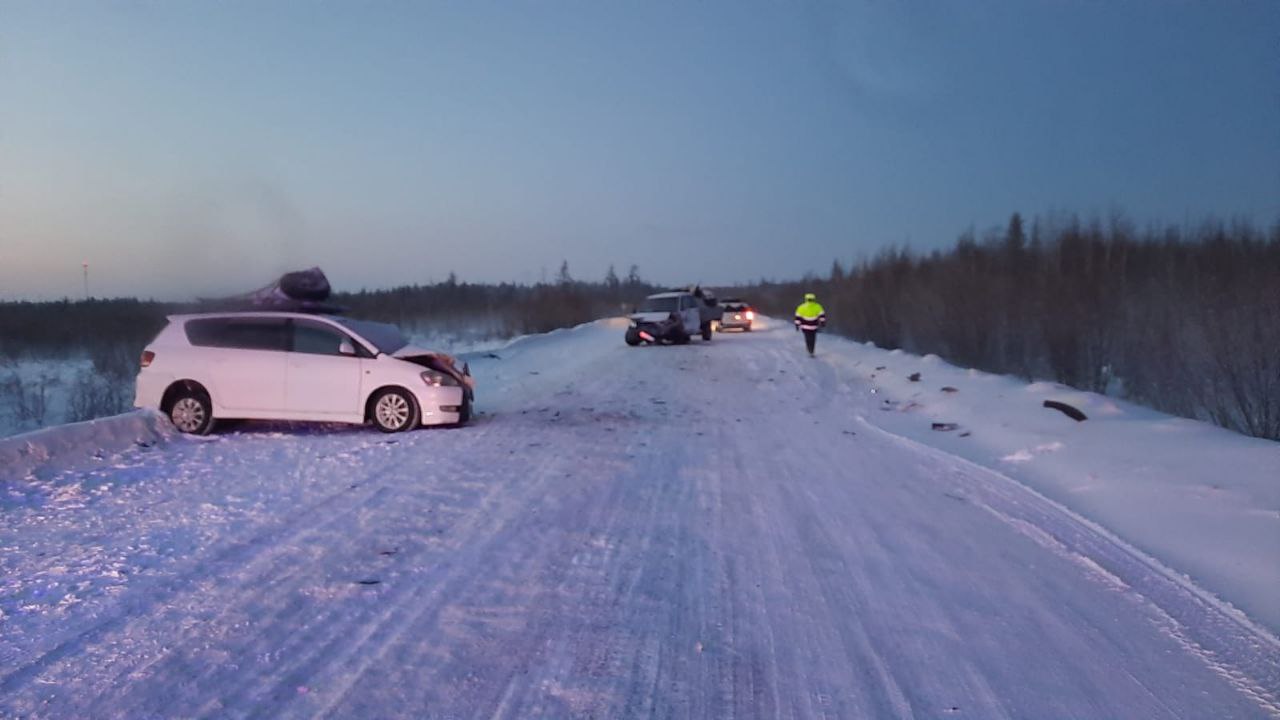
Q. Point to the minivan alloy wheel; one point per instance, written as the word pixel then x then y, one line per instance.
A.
pixel 188 414
pixel 392 411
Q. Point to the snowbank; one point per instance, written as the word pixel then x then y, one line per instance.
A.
pixel 554 348
pixel 1203 500
pixel 46 452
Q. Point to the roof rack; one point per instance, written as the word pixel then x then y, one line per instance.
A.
pixel 296 306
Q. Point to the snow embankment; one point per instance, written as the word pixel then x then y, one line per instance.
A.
pixel 1202 500
pixel 44 453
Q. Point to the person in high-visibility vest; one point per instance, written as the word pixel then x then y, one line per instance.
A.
pixel 810 317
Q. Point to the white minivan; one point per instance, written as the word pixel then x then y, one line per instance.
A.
pixel 298 366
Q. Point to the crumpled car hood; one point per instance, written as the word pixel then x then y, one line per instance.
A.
pixel 409 351
pixel 443 362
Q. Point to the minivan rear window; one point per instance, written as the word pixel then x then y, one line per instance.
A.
pixel 238 333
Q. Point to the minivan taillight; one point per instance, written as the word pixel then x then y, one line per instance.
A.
pixel 147 357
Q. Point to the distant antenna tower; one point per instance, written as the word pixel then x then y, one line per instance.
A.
pixel 86 280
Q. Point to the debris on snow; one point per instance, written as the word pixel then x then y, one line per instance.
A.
pixel 1066 409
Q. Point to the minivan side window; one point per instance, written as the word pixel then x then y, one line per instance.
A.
pixel 238 333
pixel 317 338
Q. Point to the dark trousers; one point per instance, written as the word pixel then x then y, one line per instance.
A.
pixel 810 337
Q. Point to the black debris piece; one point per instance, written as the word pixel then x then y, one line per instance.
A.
pixel 945 426
pixel 1066 409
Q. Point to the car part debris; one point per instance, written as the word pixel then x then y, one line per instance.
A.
pixel 1067 410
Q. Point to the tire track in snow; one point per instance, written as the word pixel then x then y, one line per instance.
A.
pixel 1230 645
pixel 302 650
pixel 402 621
pixel 143 596
pixel 262 554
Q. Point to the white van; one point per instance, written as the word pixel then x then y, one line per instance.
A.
pixel 298 366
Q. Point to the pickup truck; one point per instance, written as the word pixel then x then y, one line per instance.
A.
pixel 673 317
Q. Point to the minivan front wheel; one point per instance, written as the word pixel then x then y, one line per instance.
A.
pixel 192 413
pixel 394 410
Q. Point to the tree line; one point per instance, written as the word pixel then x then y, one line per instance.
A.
pixel 112 332
pixel 1182 319
pixel 501 310
pixel 1185 320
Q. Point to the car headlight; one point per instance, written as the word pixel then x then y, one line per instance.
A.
pixel 437 379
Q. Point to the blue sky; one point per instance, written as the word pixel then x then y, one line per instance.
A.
pixel 186 148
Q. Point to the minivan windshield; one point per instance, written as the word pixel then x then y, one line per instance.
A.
pixel 385 337
pixel 660 304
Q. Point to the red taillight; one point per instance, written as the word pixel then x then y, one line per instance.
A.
pixel 147 357
pixel 751 315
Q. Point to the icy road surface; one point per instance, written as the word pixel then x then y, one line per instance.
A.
pixel 703 531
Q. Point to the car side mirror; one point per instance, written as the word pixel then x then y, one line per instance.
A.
pixel 346 348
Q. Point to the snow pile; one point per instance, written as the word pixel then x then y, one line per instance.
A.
pixel 1203 500
pixel 457 342
pixel 555 348
pixel 44 453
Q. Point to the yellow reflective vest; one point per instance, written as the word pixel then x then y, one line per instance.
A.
pixel 810 316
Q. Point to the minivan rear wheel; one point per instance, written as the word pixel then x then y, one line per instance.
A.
pixel 192 412
pixel 393 410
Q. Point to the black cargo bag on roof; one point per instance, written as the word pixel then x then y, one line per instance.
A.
pixel 306 285
pixel 298 291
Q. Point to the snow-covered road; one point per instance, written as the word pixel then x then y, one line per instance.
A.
pixel 702 531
